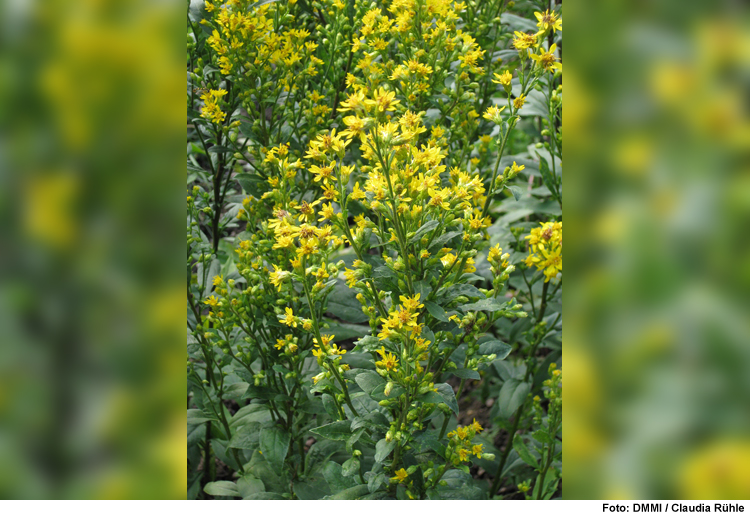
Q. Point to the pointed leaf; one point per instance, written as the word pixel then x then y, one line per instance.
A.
pixel 436 311
pixel 449 397
pixel 426 228
pixel 383 448
pixel 339 431
pixel 524 452
pixel 222 488
pixel 512 395
pixel 495 346
pixel 274 442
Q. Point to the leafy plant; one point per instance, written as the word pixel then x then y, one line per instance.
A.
pixel 347 290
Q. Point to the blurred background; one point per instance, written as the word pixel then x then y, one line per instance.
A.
pixel 657 347
pixel 657 329
pixel 92 165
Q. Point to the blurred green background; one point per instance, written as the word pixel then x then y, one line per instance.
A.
pixel 657 329
pixel 92 165
pixel 657 346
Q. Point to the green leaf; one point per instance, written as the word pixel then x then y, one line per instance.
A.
pixel 350 467
pixel 524 452
pixel 197 416
pixel 449 397
pixel 374 386
pixel 251 413
pixel 516 191
pixel 374 419
pixel 369 381
pixel 486 305
pixel 541 436
pixel 246 437
pixel 512 395
pixel 265 495
pixel 350 494
pixel 428 441
pixel 466 374
pixel 249 485
pixel 343 304
pixel 366 344
pixel 385 278
pixel 547 177
pixel 343 332
pixel 507 370
pixel 222 488
pixel 339 431
pixel 443 239
pixel 430 397
pixel 356 435
pixel 333 473
pixel 314 488
pixel 375 482
pixel 330 406
pixel 382 449
pixel 426 228
pixel 456 290
pixel 495 346
pixel 436 311
pixel 274 442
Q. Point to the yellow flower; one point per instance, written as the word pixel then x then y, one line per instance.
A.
pixel 476 426
pixel 547 59
pixel 357 193
pixel 290 319
pixel 476 222
pixel 211 301
pixel 383 100
pixel 355 102
pixel 283 242
pixel 411 304
pixel 515 169
pixel 401 475
pixel 324 172
pixel 389 361
pixel 440 198
pixel 504 78
pixel 448 259
pixel 519 101
pixel 211 108
pixel 524 41
pixel 461 432
pixel 545 244
pixel 278 275
pixel 493 114
pixel 548 21
pixel 477 449
pixel 326 213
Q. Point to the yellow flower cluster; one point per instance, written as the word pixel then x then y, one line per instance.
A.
pixel 430 28
pixel 545 246
pixel 402 320
pixel 211 109
pixel 544 59
pixel 245 40
pixel 461 446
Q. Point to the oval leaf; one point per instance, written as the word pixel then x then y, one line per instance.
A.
pixel 222 488
pixel 274 442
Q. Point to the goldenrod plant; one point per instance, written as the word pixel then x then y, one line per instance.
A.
pixel 374 249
